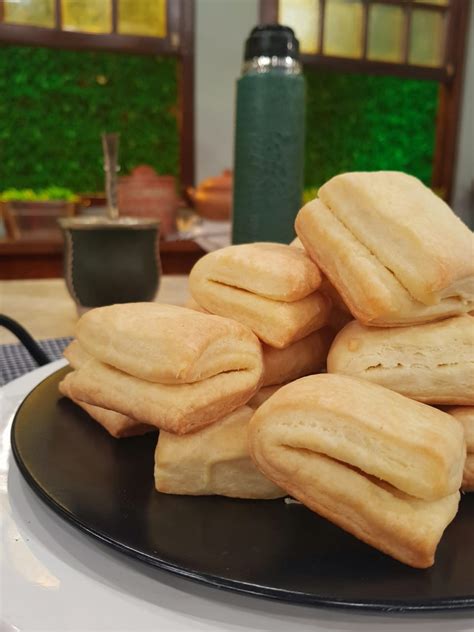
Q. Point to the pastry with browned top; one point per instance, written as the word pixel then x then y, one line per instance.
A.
pixel 465 414
pixel 395 252
pixel 213 460
pixel 381 466
pixel 433 362
pixel 303 357
pixel 271 288
pixel 167 366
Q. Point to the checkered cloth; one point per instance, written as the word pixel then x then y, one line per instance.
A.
pixel 15 360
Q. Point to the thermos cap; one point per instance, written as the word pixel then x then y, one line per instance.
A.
pixel 272 40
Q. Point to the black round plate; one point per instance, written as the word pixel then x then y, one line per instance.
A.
pixel 284 551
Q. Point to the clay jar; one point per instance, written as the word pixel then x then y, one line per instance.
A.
pixel 213 197
pixel 144 193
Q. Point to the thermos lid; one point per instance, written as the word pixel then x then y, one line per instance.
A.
pixel 272 40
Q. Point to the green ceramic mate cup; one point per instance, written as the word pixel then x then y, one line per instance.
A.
pixel 108 261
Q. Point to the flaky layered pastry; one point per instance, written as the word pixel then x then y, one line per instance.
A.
pixel 468 475
pixel 262 395
pixel 116 424
pixel 303 357
pixel 167 366
pixel 326 286
pixel 465 414
pixel 192 304
pixel 381 466
pixel 340 314
pixel 395 252
pixel 75 354
pixel 433 362
pixel 271 288
pixel 178 408
pixel 214 460
pixel 167 344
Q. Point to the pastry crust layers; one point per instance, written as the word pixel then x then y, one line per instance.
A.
pixel 465 414
pixel 394 251
pixel 271 288
pixel 303 357
pixel 214 460
pixel 432 363
pixel 116 424
pixel 383 467
pixel 167 344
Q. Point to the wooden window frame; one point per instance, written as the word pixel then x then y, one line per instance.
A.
pixel 450 75
pixel 179 42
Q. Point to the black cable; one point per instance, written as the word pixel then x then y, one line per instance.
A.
pixel 26 340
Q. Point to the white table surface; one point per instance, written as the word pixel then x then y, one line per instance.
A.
pixel 56 578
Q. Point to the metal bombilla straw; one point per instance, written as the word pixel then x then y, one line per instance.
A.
pixel 110 146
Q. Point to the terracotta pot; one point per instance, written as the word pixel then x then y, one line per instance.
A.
pixel 146 194
pixel 213 197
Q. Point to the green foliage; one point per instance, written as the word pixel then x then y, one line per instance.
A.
pixel 361 122
pixel 42 195
pixel 54 105
pixel 309 193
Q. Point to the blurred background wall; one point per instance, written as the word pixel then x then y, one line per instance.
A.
pixel 219 51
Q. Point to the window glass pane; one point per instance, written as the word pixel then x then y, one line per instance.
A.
pixel 30 12
pixel 343 28
pixel 426 38
pixel 142 17
pixel 386 28
pixel 91 16
pixel 303 17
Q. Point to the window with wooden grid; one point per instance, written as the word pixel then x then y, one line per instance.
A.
pixel 151 27
pixel 138 25
pixel 412 39
pixel 409 37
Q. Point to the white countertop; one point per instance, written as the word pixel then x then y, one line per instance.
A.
pixel 56 578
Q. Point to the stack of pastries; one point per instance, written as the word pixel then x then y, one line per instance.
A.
pixel 376 290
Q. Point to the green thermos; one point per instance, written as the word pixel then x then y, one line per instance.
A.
pixel 269 137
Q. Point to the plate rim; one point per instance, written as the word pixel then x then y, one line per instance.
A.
pixel 215 581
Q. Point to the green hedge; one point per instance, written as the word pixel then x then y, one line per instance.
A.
pixel 359 122
pixel 54 104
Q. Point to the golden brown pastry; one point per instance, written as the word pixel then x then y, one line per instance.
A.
pixel 465 414
pixel 118 425
pixel 326 286
pixel 381 466
pixel 169 344
pixel 178 408
pixel 75 354
pixel 303 357
pixel 395 252
pixel 330 291
pixel 262 395
pixel 433 362
pixel 214 460
pixel 468 476
pixel 340 314
pixel 338 319
pixel 192 304
pixel 271 288
pixel 167 366
pixel 296 243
